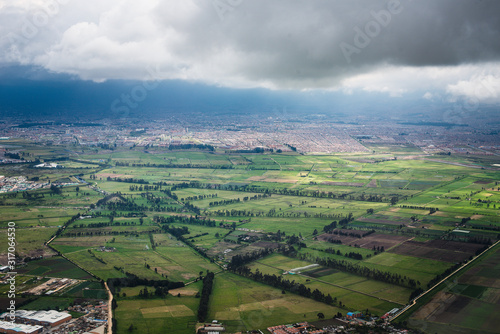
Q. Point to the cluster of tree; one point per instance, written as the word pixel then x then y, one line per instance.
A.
pixel 439 277
pixel 419 208
pixel 171 165
pixel 13 156
pixel 415 293
pixel 205 296
pixel 191 146
pixel 271 213
pixel 351 234
pixel 393 198
pixel 32 196
pixel 127 180
pixel 156 201
pixel 123 204
pixel 179 233
pixel 108 232
pixel 278 236
pixel 198 197
pixel 9 195
pixel 238 200
pixel 55 189
pixel 104 224
pixel 191 220
pixel 66 224
pixel 191 207
pixel 88 162
pixel 342 222
pixel 243 259
pixel 145 188
pixel 469 239
pixel 378 249
pixel 152 241
pixel 197 236
pixel 160 291
pixel 489 227
pixel 296 240
pixel 175 231
pixel 131 280
pixel 351 255
pixel 170 194
pixel 254 150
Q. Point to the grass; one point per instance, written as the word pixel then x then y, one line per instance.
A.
pixel 242 304
pixel 155 315
pixel 353 291
pixel 54 267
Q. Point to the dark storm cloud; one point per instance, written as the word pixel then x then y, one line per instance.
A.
pixel 270 43
pixel 303 41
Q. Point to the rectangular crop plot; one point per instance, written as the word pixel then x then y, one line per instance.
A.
pixel 381 220
pixel 393 183
pixel 320 272
pixel 55 267
pixel 433 250
pixel 373 240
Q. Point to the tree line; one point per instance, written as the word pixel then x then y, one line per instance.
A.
pixel 205 296
pixel 392 198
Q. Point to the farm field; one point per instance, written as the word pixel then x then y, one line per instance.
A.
pixel 54 267
pixel 178 314
pixel 242 304
pixel 380 229
pixel 470 302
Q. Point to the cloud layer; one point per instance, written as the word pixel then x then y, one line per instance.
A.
pixel 375 45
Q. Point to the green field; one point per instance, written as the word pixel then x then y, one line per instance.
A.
pixel 194 211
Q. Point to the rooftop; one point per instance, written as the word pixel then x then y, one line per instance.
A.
pixel 7 325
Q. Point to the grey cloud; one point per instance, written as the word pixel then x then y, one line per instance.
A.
pixel 299 43
pixel 282 43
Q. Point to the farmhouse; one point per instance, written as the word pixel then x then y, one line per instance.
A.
pixel 213 328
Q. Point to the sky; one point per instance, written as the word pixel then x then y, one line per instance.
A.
pixel 438 50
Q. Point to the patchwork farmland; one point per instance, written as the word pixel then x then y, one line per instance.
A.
pixel 371 235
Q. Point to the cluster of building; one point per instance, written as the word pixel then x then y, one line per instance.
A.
pixel 52 286
pixel 19 183
pixel 389 314
pixel 93 321
pixel 281 131
pixel 49 165
pixel 299 328
pixel 212 328
pixel 33 322
pixel 14 328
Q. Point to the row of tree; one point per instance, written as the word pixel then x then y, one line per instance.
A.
pixel 238 200
pixel 205 296
pixel 392 198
